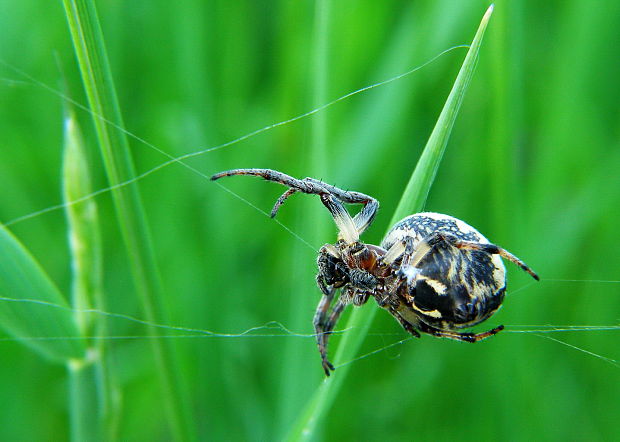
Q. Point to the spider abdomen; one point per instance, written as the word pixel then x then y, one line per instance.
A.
pixel 450 287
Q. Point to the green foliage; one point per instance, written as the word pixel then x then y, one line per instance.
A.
pixel 531 162
pixel 32 307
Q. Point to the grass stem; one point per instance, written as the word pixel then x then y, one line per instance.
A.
pixel 96 75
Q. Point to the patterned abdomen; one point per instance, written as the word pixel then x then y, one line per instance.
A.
pixel 450 288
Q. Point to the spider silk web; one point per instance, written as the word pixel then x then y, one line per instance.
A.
pixel 271 329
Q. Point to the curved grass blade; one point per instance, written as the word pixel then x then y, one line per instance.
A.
pixel 413 200
pixel 91 54
pixel 32 309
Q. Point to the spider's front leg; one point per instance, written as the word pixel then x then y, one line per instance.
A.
pixel 331 196
pixel 324 324
pixel 319 320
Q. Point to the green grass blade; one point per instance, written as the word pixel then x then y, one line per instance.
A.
pixel 413 199
pixel 92 392
pixel 422 178
pixel 91 54
pixel 32 307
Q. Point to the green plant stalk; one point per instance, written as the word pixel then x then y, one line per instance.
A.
pixel 93 394
pixel 83 223
pixel 90 50
pixel 85 409
pixel 88 408
pixel 413 200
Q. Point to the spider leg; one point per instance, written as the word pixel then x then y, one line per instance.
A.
pixel 393 253
pixel 319 322
pixel 465 337
pixel 360 222
pixel 411 259
pixel 425 328
pixel 269 175
pixel 328 327
pixel 488 248
pixel 365 216
pixel 405 247
pixel 346 226
pixel 409 328
pixel 281 201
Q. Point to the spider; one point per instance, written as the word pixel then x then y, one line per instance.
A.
pixel 434 273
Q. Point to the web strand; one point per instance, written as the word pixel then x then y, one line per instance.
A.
pixel 181 159
pixel 273 329
pixel 588 352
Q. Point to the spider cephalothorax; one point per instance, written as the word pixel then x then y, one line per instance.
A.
pixel 434 273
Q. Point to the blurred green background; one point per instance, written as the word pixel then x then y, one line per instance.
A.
pixel 533 163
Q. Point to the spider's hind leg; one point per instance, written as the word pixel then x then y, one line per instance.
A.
pixel 458 336
pixel 488 248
